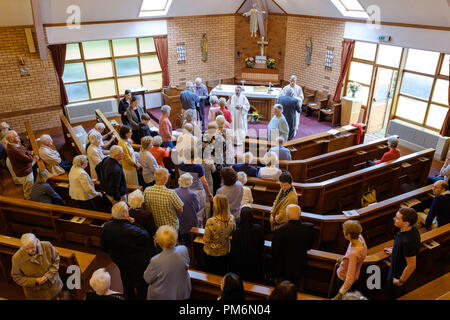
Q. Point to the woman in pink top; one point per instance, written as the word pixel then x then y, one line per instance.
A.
pixel 348 271
pixel 214 101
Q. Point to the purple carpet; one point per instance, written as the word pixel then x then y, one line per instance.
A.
pixel 307 127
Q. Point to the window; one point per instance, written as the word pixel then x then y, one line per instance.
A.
pixel 436 116
pixel 440 93
pixel 154 8
pixel 106 68
pixel 422 61
pixel 416 86
pixel 389 55
pixel 411 109
pixel 350 8
pixel 444 68
pixel 360 72
pixel 365 50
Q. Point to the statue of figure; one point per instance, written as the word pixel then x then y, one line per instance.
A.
pixel 308 52
pixel 253 13
pixel 204 45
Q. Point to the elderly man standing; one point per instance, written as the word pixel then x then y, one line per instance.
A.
pixel 189 99
pixel 52 159
pixel 291 242
pixel 128 246
pixel 164 203
pixel 21 162
pixel 111 176
pixel 278 126
pixel 239 107
pixel 35 268
pixel 291 108
pixel 298 94
pixel 202 92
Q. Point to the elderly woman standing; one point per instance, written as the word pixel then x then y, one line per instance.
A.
pixel 217 236
pixel 287 195
pixel 148 162
pixel 81 187
pixel 35 268
pixel 94 153
pixel 188 218
pixel 214 101
pixel 167 274
pixel 190 118
pixel 100 282
pixel 271 170
pixel 129 163
pixel 232 189
pixel 352 261
pixel 42 191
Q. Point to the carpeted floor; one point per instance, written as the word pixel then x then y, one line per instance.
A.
pixel 308 125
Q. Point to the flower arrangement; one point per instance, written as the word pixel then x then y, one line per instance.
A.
pixel 255 116
pixel 354 87
pixel 250 62
pixel 271 64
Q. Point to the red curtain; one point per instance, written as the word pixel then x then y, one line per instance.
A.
pixel 59 58
pixel 162 50
pixel 445 131
pixel 347 52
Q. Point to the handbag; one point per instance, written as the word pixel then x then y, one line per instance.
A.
pixel 368 197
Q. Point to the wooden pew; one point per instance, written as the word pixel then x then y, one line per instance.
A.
pixel 432 290
pixel 334 164
pixel 10 245
pixel 344 192
pixel 206 286
pixel 310 146
pixel 320 265
pixel 375 219
pixel 34 145
pixel 71 138
pixel 19 216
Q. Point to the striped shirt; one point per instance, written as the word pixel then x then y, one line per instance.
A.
pixel 165 129
pixel 163 203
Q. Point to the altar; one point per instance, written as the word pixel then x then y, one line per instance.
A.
pixel 260 97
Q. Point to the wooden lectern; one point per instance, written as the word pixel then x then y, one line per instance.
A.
pixel 351 107
pixel 171 97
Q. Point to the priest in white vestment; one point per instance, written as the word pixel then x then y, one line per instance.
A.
pixel 239 107
pixel 298 94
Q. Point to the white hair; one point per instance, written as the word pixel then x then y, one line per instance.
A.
pixel 45 138
pixel 189 115
pixel 161 174
pixel 289 91
pixel 242 177
pixel 165 109
pixel 189 84
pixel 270 159
pixel 185 180
pixel 136 199
pixel 115 151
pixel 293 77
pixel 213 99
pixel 189 127
pixel 10 136
pixel 79 160
pixel 279 106
pixel 119 210
pixel 220 120
pixel 95 139
pixel 100 126
pixel 393 142
pixel 198 79
pixel 157 141
pixel 4 125
pixel 26 239
pixel 293 212
pixel 100 281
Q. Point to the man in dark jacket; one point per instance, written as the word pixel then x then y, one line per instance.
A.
pixel 124 104
pixel 290 105
pixel 128 246
pixel 111 176
pixel 440 208
pixel 290 245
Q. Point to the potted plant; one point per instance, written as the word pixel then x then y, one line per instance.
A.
pixel 354 88
pixel 271 64
pixel 255 117
pixel 250 62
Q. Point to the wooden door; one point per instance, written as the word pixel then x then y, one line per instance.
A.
pixel 380 98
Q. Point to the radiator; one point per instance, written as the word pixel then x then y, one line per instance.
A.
pixel 415 137
pixel 85 111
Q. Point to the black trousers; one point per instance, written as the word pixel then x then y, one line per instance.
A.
pixel 216 265
pixel 134 285
pixel 201 110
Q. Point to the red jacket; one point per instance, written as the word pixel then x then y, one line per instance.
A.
pixel 21 159
pixel 226 114
pixel 389 156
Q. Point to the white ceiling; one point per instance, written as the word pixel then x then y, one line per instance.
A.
pixel 422 12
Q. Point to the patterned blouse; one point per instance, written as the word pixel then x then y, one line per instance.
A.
pixel 218 232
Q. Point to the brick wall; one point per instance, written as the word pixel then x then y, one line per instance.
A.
pixel 323 33
pixel 23 94
pixel 248 47
pixel 220 34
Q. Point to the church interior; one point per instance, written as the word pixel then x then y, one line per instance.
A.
pixel 369 79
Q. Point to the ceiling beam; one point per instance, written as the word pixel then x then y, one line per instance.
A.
pixel 279 6
pixel 39 28
pixel 240 6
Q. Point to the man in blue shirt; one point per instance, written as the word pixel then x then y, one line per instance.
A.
pixel 440 208
pixel 189 100
pixel 282 152
pixel 278 126
pixel 202 92
pixel 245 166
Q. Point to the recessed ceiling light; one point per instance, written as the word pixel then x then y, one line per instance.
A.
pixel 154 8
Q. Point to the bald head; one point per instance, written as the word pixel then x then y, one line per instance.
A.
pixel 440 186
pixel 293 212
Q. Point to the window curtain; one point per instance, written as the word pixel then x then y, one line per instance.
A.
pixel 59 58
pixel 346 56
pixel 162 50
pixel 445 131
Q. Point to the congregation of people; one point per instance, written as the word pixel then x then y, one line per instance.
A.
pixel 148 237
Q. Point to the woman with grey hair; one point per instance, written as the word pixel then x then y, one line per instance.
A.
pixel 42 191
pixel 271 170
pixel 190 118
pixel 148 162
pixel 81 187
pixel 188 218
pixel 94 153
pixel 214 101
pixel 392 154
pixel 100 283
pixel 35 268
